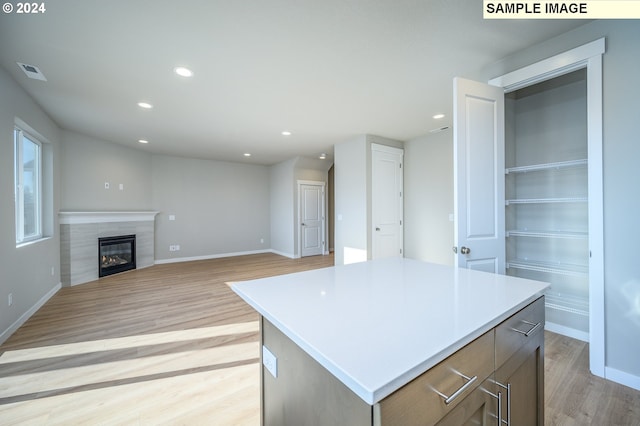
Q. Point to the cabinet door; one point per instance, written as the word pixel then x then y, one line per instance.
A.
pixel 478 408
pixel 521 381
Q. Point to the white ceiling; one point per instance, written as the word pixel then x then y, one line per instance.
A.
pixel 326 70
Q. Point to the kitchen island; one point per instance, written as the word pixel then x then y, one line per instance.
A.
pixel 362 343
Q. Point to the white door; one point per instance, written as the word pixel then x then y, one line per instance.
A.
pixel 311 219
pixel 386 201
pixel 478 151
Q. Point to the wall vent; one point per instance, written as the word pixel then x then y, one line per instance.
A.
pixel 32 71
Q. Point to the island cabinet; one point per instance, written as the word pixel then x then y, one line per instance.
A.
pixel 520 365
pixel 501 371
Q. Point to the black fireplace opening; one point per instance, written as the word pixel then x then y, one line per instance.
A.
pixel 116 254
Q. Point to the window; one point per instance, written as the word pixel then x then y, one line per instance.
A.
pixel 28 187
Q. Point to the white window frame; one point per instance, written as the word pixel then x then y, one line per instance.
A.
pixel 19 136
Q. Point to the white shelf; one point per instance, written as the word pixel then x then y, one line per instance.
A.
pixel 546 166
pixel 559 200
pixel 549 267
pixel 567 303
pixel 548 234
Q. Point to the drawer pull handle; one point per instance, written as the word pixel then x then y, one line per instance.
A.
pixel 528 333
pixel 508 388
pixel 449 399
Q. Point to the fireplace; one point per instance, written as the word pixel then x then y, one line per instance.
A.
pixel 116 254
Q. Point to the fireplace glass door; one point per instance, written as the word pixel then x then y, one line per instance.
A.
pixel 116 254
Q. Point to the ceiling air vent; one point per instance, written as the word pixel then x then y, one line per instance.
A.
pixel 32 71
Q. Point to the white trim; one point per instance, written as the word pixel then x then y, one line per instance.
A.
pixel 587 56
pixel 554 66
pixel 387 149
pixel 597 332
pixel 24 317
pixel 567 331
pixel 623 378
pixel 210 256
pixel 74 218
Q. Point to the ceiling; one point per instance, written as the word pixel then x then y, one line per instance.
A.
pixel 324 70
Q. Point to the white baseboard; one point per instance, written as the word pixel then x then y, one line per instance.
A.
pixel 623 378
pixel 212 256
pixel 24 317
pixel 567 331
pixel 289 255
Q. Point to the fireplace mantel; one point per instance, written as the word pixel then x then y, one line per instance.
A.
pixel 73 218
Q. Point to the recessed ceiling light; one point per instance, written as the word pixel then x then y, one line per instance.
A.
pixel 143 141
pixel 183 72
pixel 323 156
pixel 286 133
pixel 438 116
pixel 247 154
pixel 145 105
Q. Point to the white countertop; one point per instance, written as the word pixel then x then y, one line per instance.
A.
pixel 377 325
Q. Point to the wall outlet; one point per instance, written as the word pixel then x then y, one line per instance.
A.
pixel 10 299
pixel 53 271
pixel 174 247
pixel 121 187
pixel 261 240
pixel 270 361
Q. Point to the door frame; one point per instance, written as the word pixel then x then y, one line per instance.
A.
pixel 323 185
pixel 589 57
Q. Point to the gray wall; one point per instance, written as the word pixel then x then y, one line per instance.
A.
pixel 220 208
pixel 282 207
pixel 350 171
pixel 89 163
pixel 31 272
pixel 428 201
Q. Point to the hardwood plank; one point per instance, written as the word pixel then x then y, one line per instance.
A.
pixel 172 344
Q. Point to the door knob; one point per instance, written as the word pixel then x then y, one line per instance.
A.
pixel 465 250
pixel 377 229
pixel 303 224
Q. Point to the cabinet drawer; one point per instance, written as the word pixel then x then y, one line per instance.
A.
pixel 422 401
pixel 517 330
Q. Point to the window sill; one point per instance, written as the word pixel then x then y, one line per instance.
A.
pixel 32 242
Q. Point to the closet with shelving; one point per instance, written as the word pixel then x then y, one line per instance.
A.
pixel 546 194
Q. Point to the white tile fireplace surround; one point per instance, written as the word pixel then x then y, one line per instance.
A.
pixel 79 233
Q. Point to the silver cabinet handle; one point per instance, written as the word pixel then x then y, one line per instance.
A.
pixel 528 333
pixel 508 388
pixel 449 399
pixel 499 398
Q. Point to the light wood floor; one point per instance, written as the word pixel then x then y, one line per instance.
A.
pixel 172 344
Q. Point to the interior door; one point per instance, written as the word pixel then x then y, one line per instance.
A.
pixel 478 150
pixel 311 219
pixel 386 201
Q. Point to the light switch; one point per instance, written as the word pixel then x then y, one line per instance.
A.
pixel 270 361
pixel 172 217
